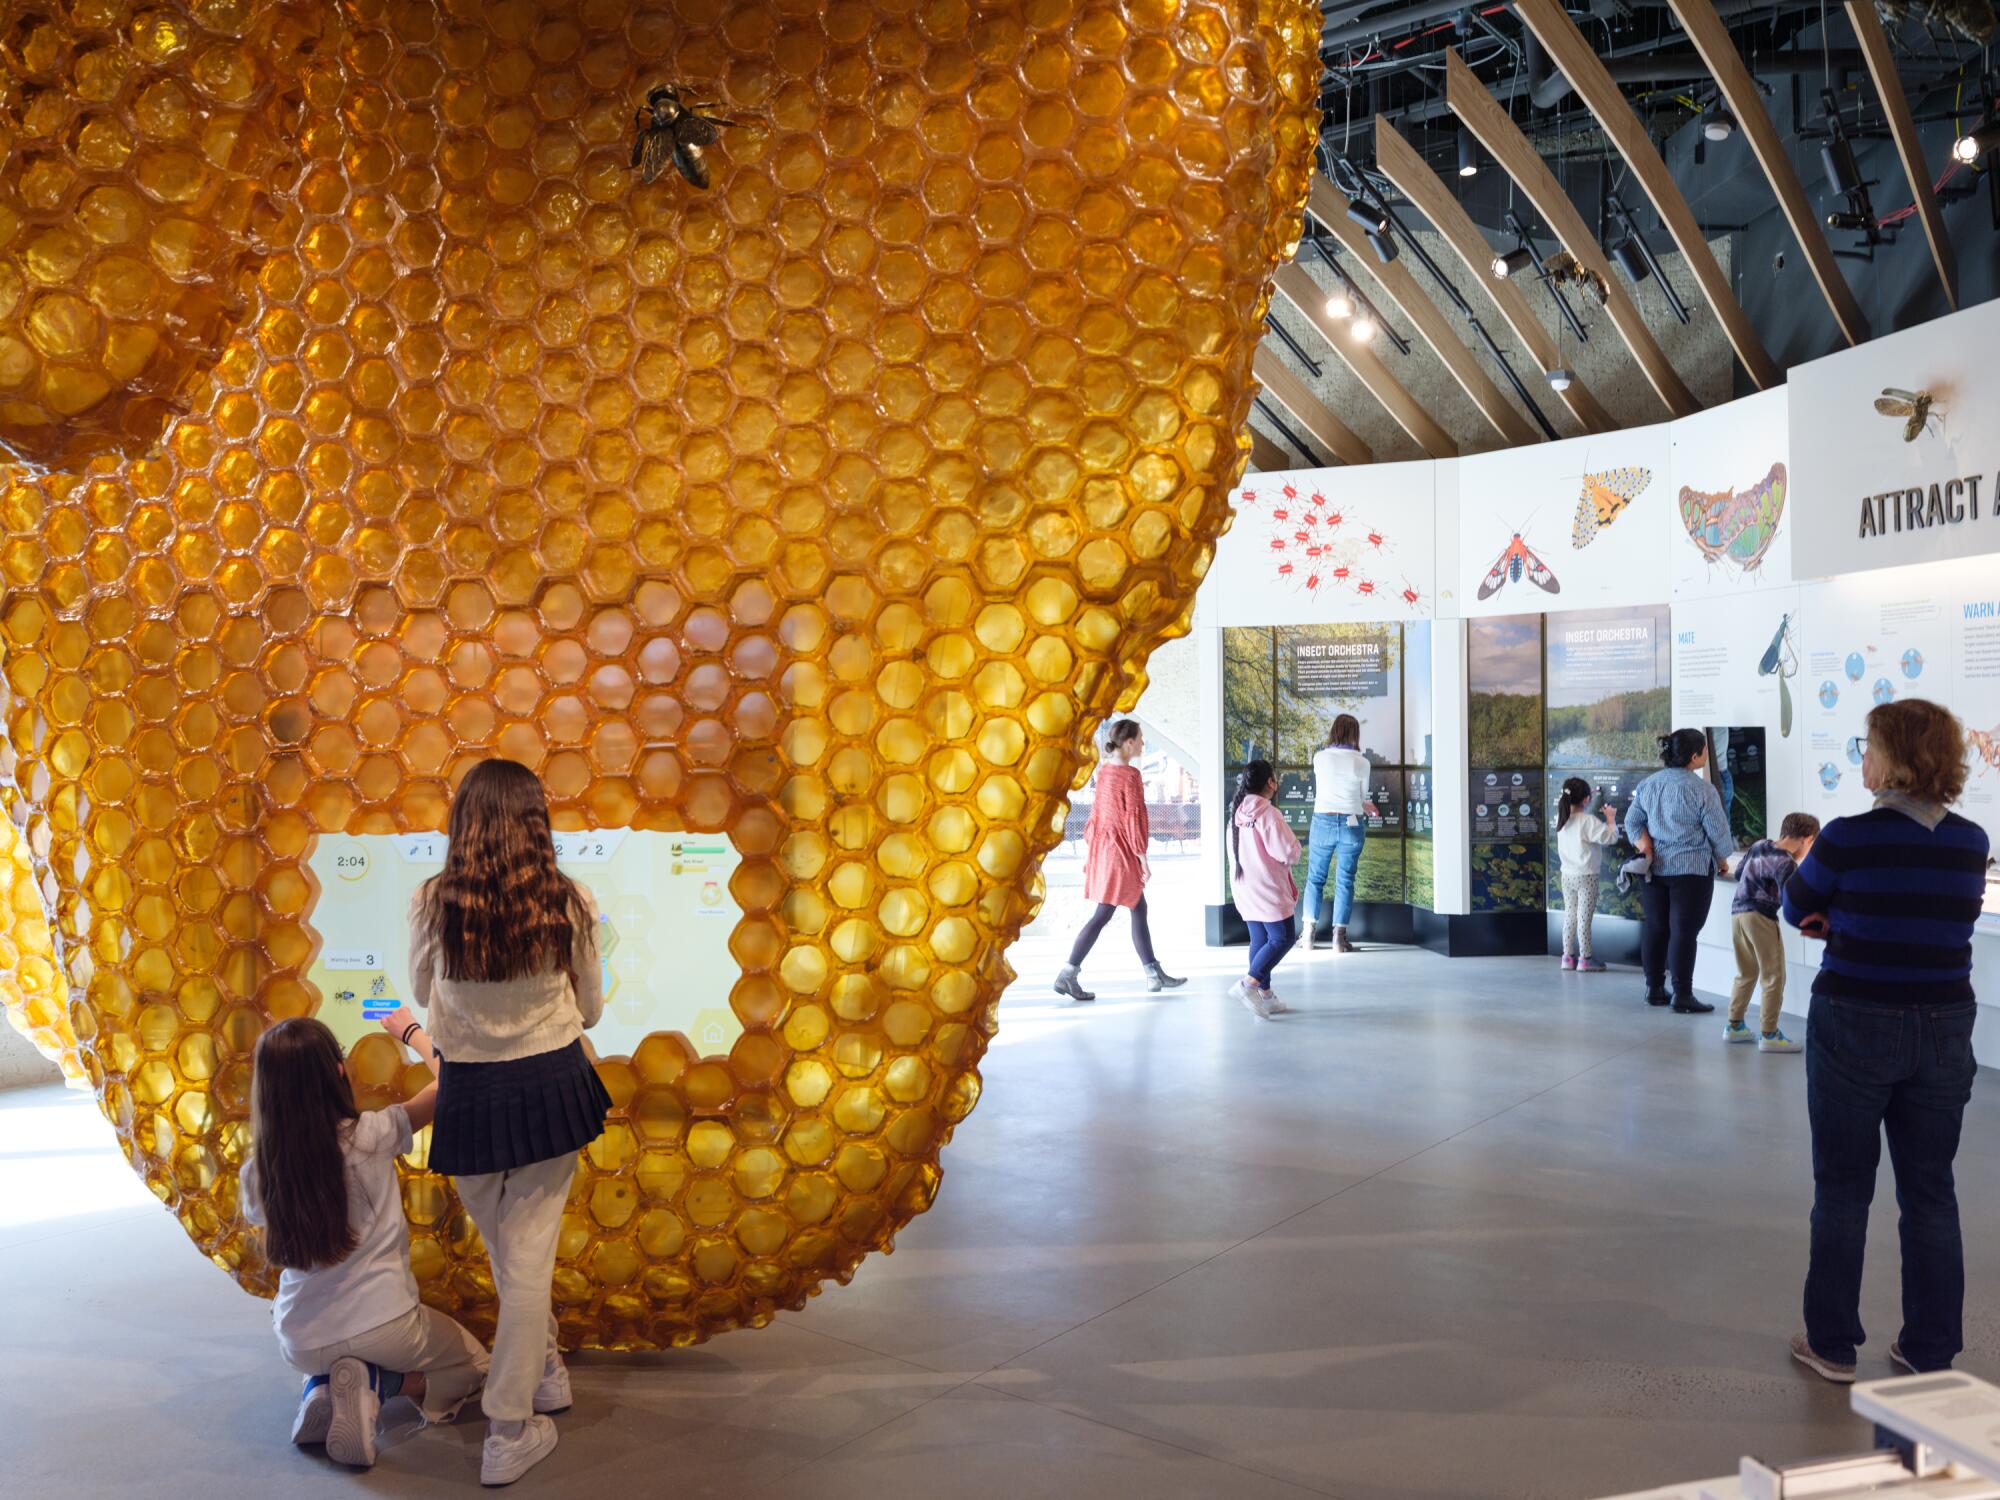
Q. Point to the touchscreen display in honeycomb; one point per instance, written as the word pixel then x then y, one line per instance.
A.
pixel 663 934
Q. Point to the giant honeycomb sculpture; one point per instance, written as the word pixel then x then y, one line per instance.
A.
pixel 366 418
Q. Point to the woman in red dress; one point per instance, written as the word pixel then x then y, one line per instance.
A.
pixel 1114 860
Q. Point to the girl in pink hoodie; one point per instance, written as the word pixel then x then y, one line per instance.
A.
pixel 1262 850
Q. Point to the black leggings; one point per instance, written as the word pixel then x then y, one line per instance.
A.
pixel 1142 935
pixel 1674 908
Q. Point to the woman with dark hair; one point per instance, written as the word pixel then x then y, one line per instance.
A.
pixel 1262 851
pixel 1115 866
pixel 1895 893
pixel 1341 810
pixel 503 953
pixel 1678 822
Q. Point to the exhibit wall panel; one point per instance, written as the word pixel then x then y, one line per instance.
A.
pixel 1732 513
pixel 1327 546
pixel 1738 661
pixel 1579 524
pixel 1867 497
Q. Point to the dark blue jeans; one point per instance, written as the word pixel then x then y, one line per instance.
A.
pixel 1907 1069
pixel 1269 942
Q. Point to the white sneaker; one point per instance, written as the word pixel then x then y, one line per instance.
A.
pixel 552 1395
pixel 506 1456
pixel 1250 995
pixel 350 1430
pixel 1277 1006
pixel 315 1413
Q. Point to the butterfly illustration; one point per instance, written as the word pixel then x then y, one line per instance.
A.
pixel 1735 526
pixel 1604 496
pixel 1512 562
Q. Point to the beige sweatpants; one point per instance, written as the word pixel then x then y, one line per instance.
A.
pixel 519 1214
pixel 1760 952
pixel 422 1341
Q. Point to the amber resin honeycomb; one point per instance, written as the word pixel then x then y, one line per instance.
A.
pixel 371 418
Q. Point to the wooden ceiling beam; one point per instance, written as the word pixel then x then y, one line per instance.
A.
pixel 1567 47
pixel 1296 286
pixel 1478 111
pixel 1704 27
pixel 1882 68
pixel 1328 205
pixel 1423 187
pixel 1292 393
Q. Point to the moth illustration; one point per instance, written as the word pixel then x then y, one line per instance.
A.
pixel 1735 526
pixel 1781 660
pixel 1514 560
pixel 1604 497
pixel 1914 407
pixel 1985 744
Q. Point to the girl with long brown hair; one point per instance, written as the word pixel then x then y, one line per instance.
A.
pixel 503 952
pixel 321 1180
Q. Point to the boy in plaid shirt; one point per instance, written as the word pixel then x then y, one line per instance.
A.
pixel 1760 891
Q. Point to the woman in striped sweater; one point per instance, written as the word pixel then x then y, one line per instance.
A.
pixel 1894 892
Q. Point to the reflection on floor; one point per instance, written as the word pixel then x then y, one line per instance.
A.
pixel 1456 1229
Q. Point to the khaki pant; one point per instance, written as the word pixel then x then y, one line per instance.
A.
pixel 520 1214
pixel 422 1341
pixel 1759 952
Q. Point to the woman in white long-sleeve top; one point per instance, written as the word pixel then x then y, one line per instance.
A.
pixel 503 953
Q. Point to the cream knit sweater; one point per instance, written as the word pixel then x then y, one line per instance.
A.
pixel 477 1021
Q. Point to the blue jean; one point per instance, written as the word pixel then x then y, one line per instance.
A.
pixel 1336 842
pixel 1908 1068
pixel 1269 942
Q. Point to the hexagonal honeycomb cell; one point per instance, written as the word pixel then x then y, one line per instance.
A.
pixel 830 508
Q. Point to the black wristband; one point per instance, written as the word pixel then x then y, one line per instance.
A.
pixel 409 1030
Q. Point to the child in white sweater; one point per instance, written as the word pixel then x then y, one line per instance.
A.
pixel 1581 841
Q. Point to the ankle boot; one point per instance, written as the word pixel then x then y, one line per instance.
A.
pixel 1158 979
pixel 1068 984
pixel 1340 942
pixel 1312 936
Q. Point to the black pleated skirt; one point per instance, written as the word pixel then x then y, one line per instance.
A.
pixel 494 1117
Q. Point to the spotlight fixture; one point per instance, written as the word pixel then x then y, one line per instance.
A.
pixel 1848 221
pixel 1559 379
pixel 1363 327
pixel 1367 218
pixel 1718 124
pixel 1631 260
pixel 1340 304
pixel 1842 173
pixel 1515 260
pixel 1468 155
pixel 1969 148
pixel 1376 226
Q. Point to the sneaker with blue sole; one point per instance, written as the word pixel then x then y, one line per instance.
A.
pixel 1777 1041
pixel 315 1413
pixel 1738 1031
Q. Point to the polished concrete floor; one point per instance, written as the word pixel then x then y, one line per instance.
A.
pixel 1455 1229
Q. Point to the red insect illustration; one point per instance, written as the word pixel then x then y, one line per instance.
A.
pixel 1366 586
pixel 1410 595
pixel 1514 560
pixel 1375 539
pixel 1290 493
